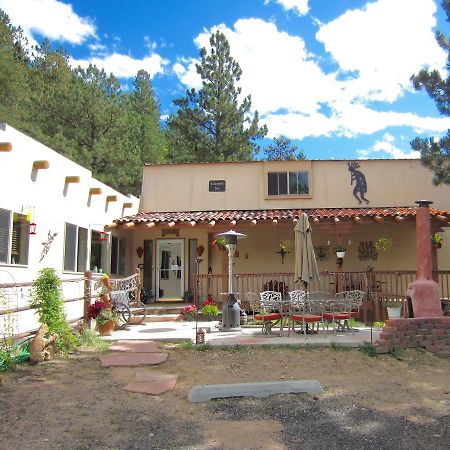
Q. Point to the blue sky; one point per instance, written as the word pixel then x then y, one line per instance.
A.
pixel 332 75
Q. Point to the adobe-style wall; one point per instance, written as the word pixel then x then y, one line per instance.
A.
pixel 432 334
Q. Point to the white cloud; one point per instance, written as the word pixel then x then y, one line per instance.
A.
pixel 386 148
pixel 300 7
pixel 50 18
pixel 377 49
pixel 384 43
pixel 123 65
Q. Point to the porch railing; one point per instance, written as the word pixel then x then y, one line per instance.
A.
pixel 377 286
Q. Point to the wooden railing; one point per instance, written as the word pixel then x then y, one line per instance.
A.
pixel 377 286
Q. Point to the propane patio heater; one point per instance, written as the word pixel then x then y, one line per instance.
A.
pixel 231 311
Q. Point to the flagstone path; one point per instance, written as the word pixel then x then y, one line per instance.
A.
pixel 141 353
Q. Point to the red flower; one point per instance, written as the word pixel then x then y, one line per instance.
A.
pixel 96 308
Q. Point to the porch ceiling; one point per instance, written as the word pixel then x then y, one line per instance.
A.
pixel 272 217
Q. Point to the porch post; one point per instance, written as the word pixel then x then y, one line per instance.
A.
pixel 424 291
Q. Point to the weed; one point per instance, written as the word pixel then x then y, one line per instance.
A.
pixel 339 347
pixel 378 324
pixel 89 339
pixel 203 347
pixel 397 353
pixel 185 344
pixel 368 349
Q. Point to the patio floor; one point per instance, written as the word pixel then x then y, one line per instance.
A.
pixel 176 331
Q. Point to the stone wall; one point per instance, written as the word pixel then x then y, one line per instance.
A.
pixel 431 334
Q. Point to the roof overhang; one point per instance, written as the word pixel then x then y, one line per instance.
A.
pixel 322 216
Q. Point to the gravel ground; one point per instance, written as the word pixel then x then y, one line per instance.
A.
pixel 369 403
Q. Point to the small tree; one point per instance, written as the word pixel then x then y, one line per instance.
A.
pixel 48 301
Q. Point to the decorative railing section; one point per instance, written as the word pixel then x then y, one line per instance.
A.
pixel 377 286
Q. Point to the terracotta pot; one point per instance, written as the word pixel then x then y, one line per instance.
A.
pixel 107 328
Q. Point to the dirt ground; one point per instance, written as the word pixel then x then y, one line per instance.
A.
pixel 382 403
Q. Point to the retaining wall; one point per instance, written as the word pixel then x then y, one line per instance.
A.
pixel 432 334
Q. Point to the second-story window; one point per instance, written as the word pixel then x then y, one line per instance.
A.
pixel 288 183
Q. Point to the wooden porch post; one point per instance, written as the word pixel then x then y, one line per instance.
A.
pixel 87 297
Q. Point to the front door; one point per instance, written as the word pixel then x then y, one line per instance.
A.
pixel 169 269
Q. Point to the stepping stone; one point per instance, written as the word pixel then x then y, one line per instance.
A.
pixel 205 393
pixel 135 346
pixel 151 387
pixel 152 382
pixel 132 359
pixel 153 375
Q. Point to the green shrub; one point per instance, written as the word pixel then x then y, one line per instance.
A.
pixel 48 301
pixel 89 339
pixel 369 349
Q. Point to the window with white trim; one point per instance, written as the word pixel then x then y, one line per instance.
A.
pixel 14 237
pixel 75 248
pixel 117 256
pixel 99 248
pixel 287 183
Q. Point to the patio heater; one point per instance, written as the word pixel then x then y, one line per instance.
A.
pixel 231 311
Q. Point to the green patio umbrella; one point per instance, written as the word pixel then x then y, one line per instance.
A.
pixel 305 259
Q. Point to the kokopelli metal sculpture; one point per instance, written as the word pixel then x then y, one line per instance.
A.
pixel 360 182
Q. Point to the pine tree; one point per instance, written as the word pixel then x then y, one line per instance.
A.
pixel 435 153
pixel 282 150
pixel 211 124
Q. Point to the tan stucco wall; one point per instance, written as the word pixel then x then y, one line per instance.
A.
pixel 184 187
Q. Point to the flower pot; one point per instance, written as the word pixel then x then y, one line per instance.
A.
pixel 437 245
pixel 340 254
pixel 188 317
pixel 394 312
pixel 107 328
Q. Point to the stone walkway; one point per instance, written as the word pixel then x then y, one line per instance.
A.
pixel 136 354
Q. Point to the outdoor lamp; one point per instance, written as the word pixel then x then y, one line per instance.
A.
pixel 231 311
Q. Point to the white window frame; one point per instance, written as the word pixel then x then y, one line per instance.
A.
pixel 8 232
pixel 76 245
pixel 288 193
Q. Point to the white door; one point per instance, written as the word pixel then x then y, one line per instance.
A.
pixel 169 269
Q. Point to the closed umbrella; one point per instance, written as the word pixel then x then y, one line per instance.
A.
pixel 305 259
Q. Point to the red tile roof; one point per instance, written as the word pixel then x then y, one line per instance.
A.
pixel 271 214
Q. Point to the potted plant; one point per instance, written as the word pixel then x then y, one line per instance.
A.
pixel 188 296
pixel 393 308
pixel 220 243
pixel 383 244
pixel 105 318
pixel 436 240
pixel 189 312
pixel 210 310
pixel 340 251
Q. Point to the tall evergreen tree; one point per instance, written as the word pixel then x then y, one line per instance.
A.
pixel 282 149
pixel 13 72
pixel 211 124
pixel 435 153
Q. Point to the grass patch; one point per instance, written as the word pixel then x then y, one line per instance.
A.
pixel 339 347
pixel 89 340
pixel 368 349
pixel 185 344
pixel 203 347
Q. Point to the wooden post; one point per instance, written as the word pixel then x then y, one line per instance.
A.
pixel 138 284
pixel 87 297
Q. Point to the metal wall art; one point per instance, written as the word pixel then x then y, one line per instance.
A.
pixel 360 181
pixel 322 252
pixel 46 245
pixel 367 250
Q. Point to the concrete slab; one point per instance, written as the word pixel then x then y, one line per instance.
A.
pixel 206 393
pixel 132 359
pixel 135 346
pixel 151 387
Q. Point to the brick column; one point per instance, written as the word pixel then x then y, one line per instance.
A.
pixel 424 292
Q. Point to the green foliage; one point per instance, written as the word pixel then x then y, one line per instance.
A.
pixel 397 353
pixel 6 359
pixel 383 244
pixel 210 310
pixel 339 347
pixel 210 124
pixel 186 344
pixel 435 153
pixel 203 347
pixel 282 150
pixel 88 339
pixel 437 238
pixel 48 301
pixel 368 349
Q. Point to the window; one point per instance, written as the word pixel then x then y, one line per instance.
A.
pixel 117 256
pixel 14 237
pixel 288 183
pixel 98 252
pixel 75 248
